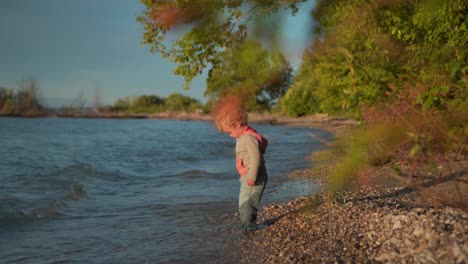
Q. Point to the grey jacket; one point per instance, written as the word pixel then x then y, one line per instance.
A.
pixel 248 151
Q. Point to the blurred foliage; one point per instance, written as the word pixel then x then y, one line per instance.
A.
pixel 7 101
pixel 22 102
pixel 150 104
pixel 140 104
pixel 399 66
pixel 359 48
pixel 363 46
pixel 417 145
pixel 224 38
pixel 420 114
pixel 259 76
pixel 178 103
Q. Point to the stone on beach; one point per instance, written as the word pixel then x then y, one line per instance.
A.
pixel 376 224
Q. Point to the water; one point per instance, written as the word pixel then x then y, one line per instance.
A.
pixel 131 190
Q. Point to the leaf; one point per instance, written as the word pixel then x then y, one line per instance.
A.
pixel 413 150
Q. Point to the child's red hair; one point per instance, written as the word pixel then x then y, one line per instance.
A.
pixel 229 113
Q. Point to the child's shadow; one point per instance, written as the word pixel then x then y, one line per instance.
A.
pixel 274 220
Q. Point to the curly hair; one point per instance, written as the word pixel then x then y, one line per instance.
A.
pixel 229 113
pixel 229 120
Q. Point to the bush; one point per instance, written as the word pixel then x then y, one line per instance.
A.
pixel 298 102
pixel 180 103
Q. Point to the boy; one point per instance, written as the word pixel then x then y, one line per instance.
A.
pixel 250 164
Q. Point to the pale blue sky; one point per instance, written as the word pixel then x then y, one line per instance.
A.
pixel 72 47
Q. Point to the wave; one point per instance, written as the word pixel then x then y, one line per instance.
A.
pixel 195 174
pixel 77 191
pixel 192 175
pixel 24 210
pixel 31 214
pixel 84 171
pixel 221 149
pixel 48 194
pixel 188 158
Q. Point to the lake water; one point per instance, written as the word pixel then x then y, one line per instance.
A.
pixel 131 190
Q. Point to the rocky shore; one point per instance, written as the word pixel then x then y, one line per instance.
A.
pixel 386 222
pixel 379 224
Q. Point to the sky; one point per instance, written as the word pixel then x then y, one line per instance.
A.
pixel 74 48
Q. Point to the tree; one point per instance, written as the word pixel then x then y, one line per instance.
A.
pixel 7 105
pixel 154 104
pixel 149 100
pixel 122 104
pixel 414 53
pixel 97 101
pixel 5 94
pixel 262 77
pixel 209 27
pixel 78 103
pixel 360 47
pixel 398 65
pixel 178 102
pixel 27 101
pixel 148 104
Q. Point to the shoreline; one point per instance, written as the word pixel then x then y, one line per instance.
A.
pixel 376 224
pixel 379 223
pixel 333 124
pixel 386 222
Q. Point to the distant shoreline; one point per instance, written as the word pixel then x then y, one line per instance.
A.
pixel 333 124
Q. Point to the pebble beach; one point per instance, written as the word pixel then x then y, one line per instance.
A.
pixel 383 222
pixel 379 224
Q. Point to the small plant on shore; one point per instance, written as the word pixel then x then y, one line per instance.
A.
pixel 312 204
pixel 413 140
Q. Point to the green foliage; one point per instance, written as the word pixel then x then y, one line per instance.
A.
pixel 207 28
pixel 313 204
pixel 7 106
pixel 147 104
pixel 22 102
pixel 434 97
pixel 350 164
pixel 261 77
pixel 150 104
pixel 298 102
pixel 180 103
pixel 407 137
pixel 148 100
pixel 363 46
pixel 401 66
pixel 348 65
pixel 122 104
pixel 398 65
pixel 435 47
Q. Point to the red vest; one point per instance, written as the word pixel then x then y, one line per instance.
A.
pixel 263 141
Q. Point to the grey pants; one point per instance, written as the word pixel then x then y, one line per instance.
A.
pixel 249 200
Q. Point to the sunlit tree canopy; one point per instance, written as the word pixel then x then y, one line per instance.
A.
pixel 194 33
pixel 359 49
